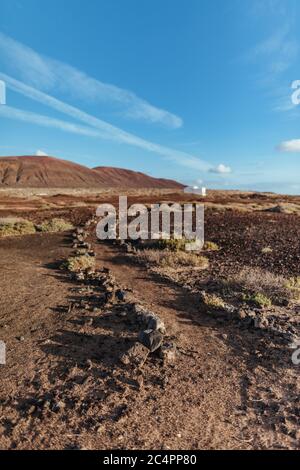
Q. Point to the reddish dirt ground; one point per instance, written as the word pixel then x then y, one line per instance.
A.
pixel 64 386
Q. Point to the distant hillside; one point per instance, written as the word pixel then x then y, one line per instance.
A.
pixel 115 177
pixel 50 172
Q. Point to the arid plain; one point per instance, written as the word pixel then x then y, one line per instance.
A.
pixel 79 375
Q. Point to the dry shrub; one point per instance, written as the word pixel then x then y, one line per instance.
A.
pixel 172 244
pixel 266 250
pixel 172 259
pixel 257 282
pixel 14 227
pixel 293 285
pixel 210 246
pixel 79 263
pixel 11 220
pixel 213 301
pixel 55 225
pixel 183 244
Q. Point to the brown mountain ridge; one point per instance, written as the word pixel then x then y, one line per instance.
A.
pixel 51 172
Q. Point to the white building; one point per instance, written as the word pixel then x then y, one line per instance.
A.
pixel 195 190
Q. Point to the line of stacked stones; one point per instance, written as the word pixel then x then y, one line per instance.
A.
pixel 152 335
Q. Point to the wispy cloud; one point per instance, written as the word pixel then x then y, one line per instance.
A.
pixel 94 127
pixel 278 51
pixel 45 121
pixel 290 146
pixel 221 169
pixel 47 75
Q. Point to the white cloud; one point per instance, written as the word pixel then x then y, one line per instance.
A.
pixel 48 75
pixel 41 153
pixel 292 146
pixel 221 169
pixel 95 127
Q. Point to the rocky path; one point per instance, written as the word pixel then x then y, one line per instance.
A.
pixel 203 395
pixel 65 387
pixel 240 383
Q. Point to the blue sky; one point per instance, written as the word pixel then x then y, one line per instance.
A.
pixel 196 90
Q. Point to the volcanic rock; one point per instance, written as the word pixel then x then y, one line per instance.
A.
pixel 151 339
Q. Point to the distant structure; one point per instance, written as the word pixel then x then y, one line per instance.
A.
pixel 2 92
pixel 195 190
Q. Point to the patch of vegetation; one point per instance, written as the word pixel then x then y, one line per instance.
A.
pixel 213 301
pixel 173 259
pixel 253 282
pixel 172 244
pixel 293 285
pixel 79 263
pixel 267 250
pixel 12 228
pixel 182 258
pixel 210 246
pixel 258 299
pixel 182 245
pixel 55 225
pixel 81 251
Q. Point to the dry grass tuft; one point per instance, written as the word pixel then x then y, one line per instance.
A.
pixel 14 227
pixel 293 285
pixel 210 246
pixel 172 244
pixel 79 263
pixel 213 301
pixel 267 250
pixel 172 259
pixel 55 225
pixel 262 287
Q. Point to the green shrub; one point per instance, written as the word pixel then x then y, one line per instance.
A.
pixel 258 299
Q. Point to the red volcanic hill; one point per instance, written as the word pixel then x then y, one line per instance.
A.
pixel 117 177
pixel 50 172
pixel 44 172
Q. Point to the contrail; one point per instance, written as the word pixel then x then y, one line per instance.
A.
pixel 45 121
pixel 107 130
